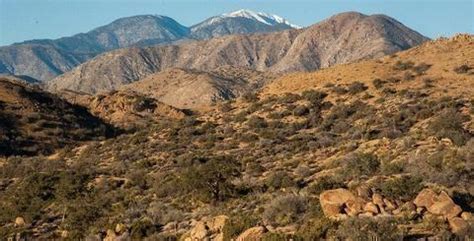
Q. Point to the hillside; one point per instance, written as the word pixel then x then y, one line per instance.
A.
pixel 370 155
pixel 34 122
pixel 45 59
pixel 340 39
pixel 199 90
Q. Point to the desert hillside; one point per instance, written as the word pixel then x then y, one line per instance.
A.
pixel 376 149
pixel 36 122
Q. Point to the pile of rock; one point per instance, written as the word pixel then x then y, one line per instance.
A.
pixel 208 229
pixel 341 203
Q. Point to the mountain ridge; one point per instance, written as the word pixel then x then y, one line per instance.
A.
pixel 343 38
pixel 44 59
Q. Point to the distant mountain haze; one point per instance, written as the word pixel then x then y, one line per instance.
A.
pixel 44 59
pixel 343 38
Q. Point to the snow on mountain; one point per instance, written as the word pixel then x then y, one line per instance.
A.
pixel 265 18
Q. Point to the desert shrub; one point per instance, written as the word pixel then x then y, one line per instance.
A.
pixel 250 97
pixel 378 83
pixel 449 124
pixel 400 65
pixel 421 68
pixel 463 69
pixel 300 110
pixel 237 224
pixel 314 96
pixel 240 117
pixel 340 90
pixel 405 187
pixel 289 98
pixel 359 164
pixel 356 87
pixel 316 229
pixel 285 209
pixel 143 228
pixel 368 229
pixel 325 183
pixel 225 107
pixel 256 122
pixel 408 76
pixel 249 137
pixel 279 179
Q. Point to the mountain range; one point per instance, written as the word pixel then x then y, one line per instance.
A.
pixel 44 59
pixel 342 38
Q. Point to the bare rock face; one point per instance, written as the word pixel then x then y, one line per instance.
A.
pixel 332 41
pixel 458 225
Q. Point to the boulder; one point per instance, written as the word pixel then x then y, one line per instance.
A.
pixel 425 198
pixel 378 200
pixel 467 216
pixel 371 207
pixel 458 225
pixel 252 234
pixel 333 201
pixel 354 206
pixel 441 204
pixel 199 231
pixel 19 221
pixel 111 236
pixel 389 204
pixel 120 228
pixel 444 205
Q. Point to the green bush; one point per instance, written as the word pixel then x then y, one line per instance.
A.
pixel 449 124
pixel 237 224
pixel 405 187
pixel 368 229
pixel 285 209
pixel 360 164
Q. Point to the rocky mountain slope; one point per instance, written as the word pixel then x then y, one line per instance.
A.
pixel 45 59
pixel 352 152
pixel 199 90
pixel 340 39
pixel 35 122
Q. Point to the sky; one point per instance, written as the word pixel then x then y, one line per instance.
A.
pixel 39 19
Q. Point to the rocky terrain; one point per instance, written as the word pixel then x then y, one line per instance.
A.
pixel 377 149
pixel 340 39
pixel 44 59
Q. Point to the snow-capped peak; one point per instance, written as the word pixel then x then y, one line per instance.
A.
pixel 268 19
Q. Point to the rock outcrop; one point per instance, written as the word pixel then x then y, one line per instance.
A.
pixel 341 203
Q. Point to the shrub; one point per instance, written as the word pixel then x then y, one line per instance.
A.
pixel 378 83
pixel 285 209
pixel 369 229
pixel 400 65
pixel 325 183
pixel 421 68
pixel 289 98
pixel 300 110
pixel 357 165
pixel 256 122
pixel 250 97
pixel 449 124
pixel 280 179
pixel 405 187
pixel 314 96
pixel 463 69
pixel 356 87
pixel 316 229
pixel 237 224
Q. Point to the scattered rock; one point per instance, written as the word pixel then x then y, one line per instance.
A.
pixel 371 207
pixel 458 225
pixel 389 205
pixel 467 216
pixel 254 233
pixel 208 229
pixel 111 236
pixel 120 228
pixel 378 200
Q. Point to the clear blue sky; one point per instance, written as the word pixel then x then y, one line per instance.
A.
pixel 32 19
